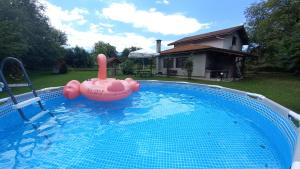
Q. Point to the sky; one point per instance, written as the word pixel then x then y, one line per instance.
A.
pixel 126 23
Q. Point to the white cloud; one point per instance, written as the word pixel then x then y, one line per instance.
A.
pixel 152 20
pixel 123 40
pixel 59 17
pixel 64 20
pixel 152 9
pixel 110 30
pixel 164 44
pixel 89 38
pixel 106 25
pixel 166 2
pixel 95 28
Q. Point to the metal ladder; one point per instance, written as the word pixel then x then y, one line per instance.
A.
pixel 19 105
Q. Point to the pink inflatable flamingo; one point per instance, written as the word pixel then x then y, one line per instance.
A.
pixel 101 88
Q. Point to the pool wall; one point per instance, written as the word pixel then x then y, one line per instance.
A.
pixel 282 119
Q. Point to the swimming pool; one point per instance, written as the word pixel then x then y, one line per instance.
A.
pixel 164 125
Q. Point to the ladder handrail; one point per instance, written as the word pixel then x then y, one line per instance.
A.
pixel 20 64
pixel 7 87
pixel 18 106
pixel 26 77
pixel 1 86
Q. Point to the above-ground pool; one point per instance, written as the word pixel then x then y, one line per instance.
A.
pixel 164 125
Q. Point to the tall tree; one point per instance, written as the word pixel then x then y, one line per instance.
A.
pixel 126 51
pixel 11 41
pixel 104 48
pixel 78 57
pixel 26 34
pixel 275 26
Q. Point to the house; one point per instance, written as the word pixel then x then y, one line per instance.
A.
pixel 113 65
pixel 215 54
pixel 113 62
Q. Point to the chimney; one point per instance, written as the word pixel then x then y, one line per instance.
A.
pixel 158 45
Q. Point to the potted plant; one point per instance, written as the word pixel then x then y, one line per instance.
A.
pixel 188 66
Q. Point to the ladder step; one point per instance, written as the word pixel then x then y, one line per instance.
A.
pixel 38 116
pixel 26 103
pixel 19 85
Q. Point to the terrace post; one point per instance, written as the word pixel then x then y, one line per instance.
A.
pixel 157 60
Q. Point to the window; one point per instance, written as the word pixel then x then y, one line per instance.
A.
pixel 234 41
pixel 168 63
pixel 180 62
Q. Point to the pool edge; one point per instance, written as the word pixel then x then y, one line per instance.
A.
pixel 287 113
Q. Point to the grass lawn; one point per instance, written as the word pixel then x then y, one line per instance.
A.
pixel 282 88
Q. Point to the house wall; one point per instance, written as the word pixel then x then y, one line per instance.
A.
pixel 199 61
pixel 221 42
pixel 218 43
pixel 228 42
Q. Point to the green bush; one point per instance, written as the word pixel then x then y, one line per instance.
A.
pixel 127 67
pixel 60 67
pixel 63 68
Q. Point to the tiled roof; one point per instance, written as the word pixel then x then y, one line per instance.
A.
pixel 201 48
pixel 113 59
pixel 215 34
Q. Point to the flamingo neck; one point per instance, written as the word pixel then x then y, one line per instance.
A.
pixel 101 59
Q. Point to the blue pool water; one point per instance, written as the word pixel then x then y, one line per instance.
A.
pixel 164 125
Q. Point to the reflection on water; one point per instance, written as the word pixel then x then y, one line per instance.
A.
pixel 157 109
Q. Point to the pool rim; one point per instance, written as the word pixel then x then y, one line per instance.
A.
pixel 286 112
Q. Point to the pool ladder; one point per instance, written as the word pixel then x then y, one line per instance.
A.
pixel 4 86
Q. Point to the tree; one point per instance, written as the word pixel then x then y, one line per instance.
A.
pixel 78 57
pixel 127 67
pixel 126 51
pixel 26 34
pixel 275 26
pixel 70 57
pixel 104 48
pixel 11 41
